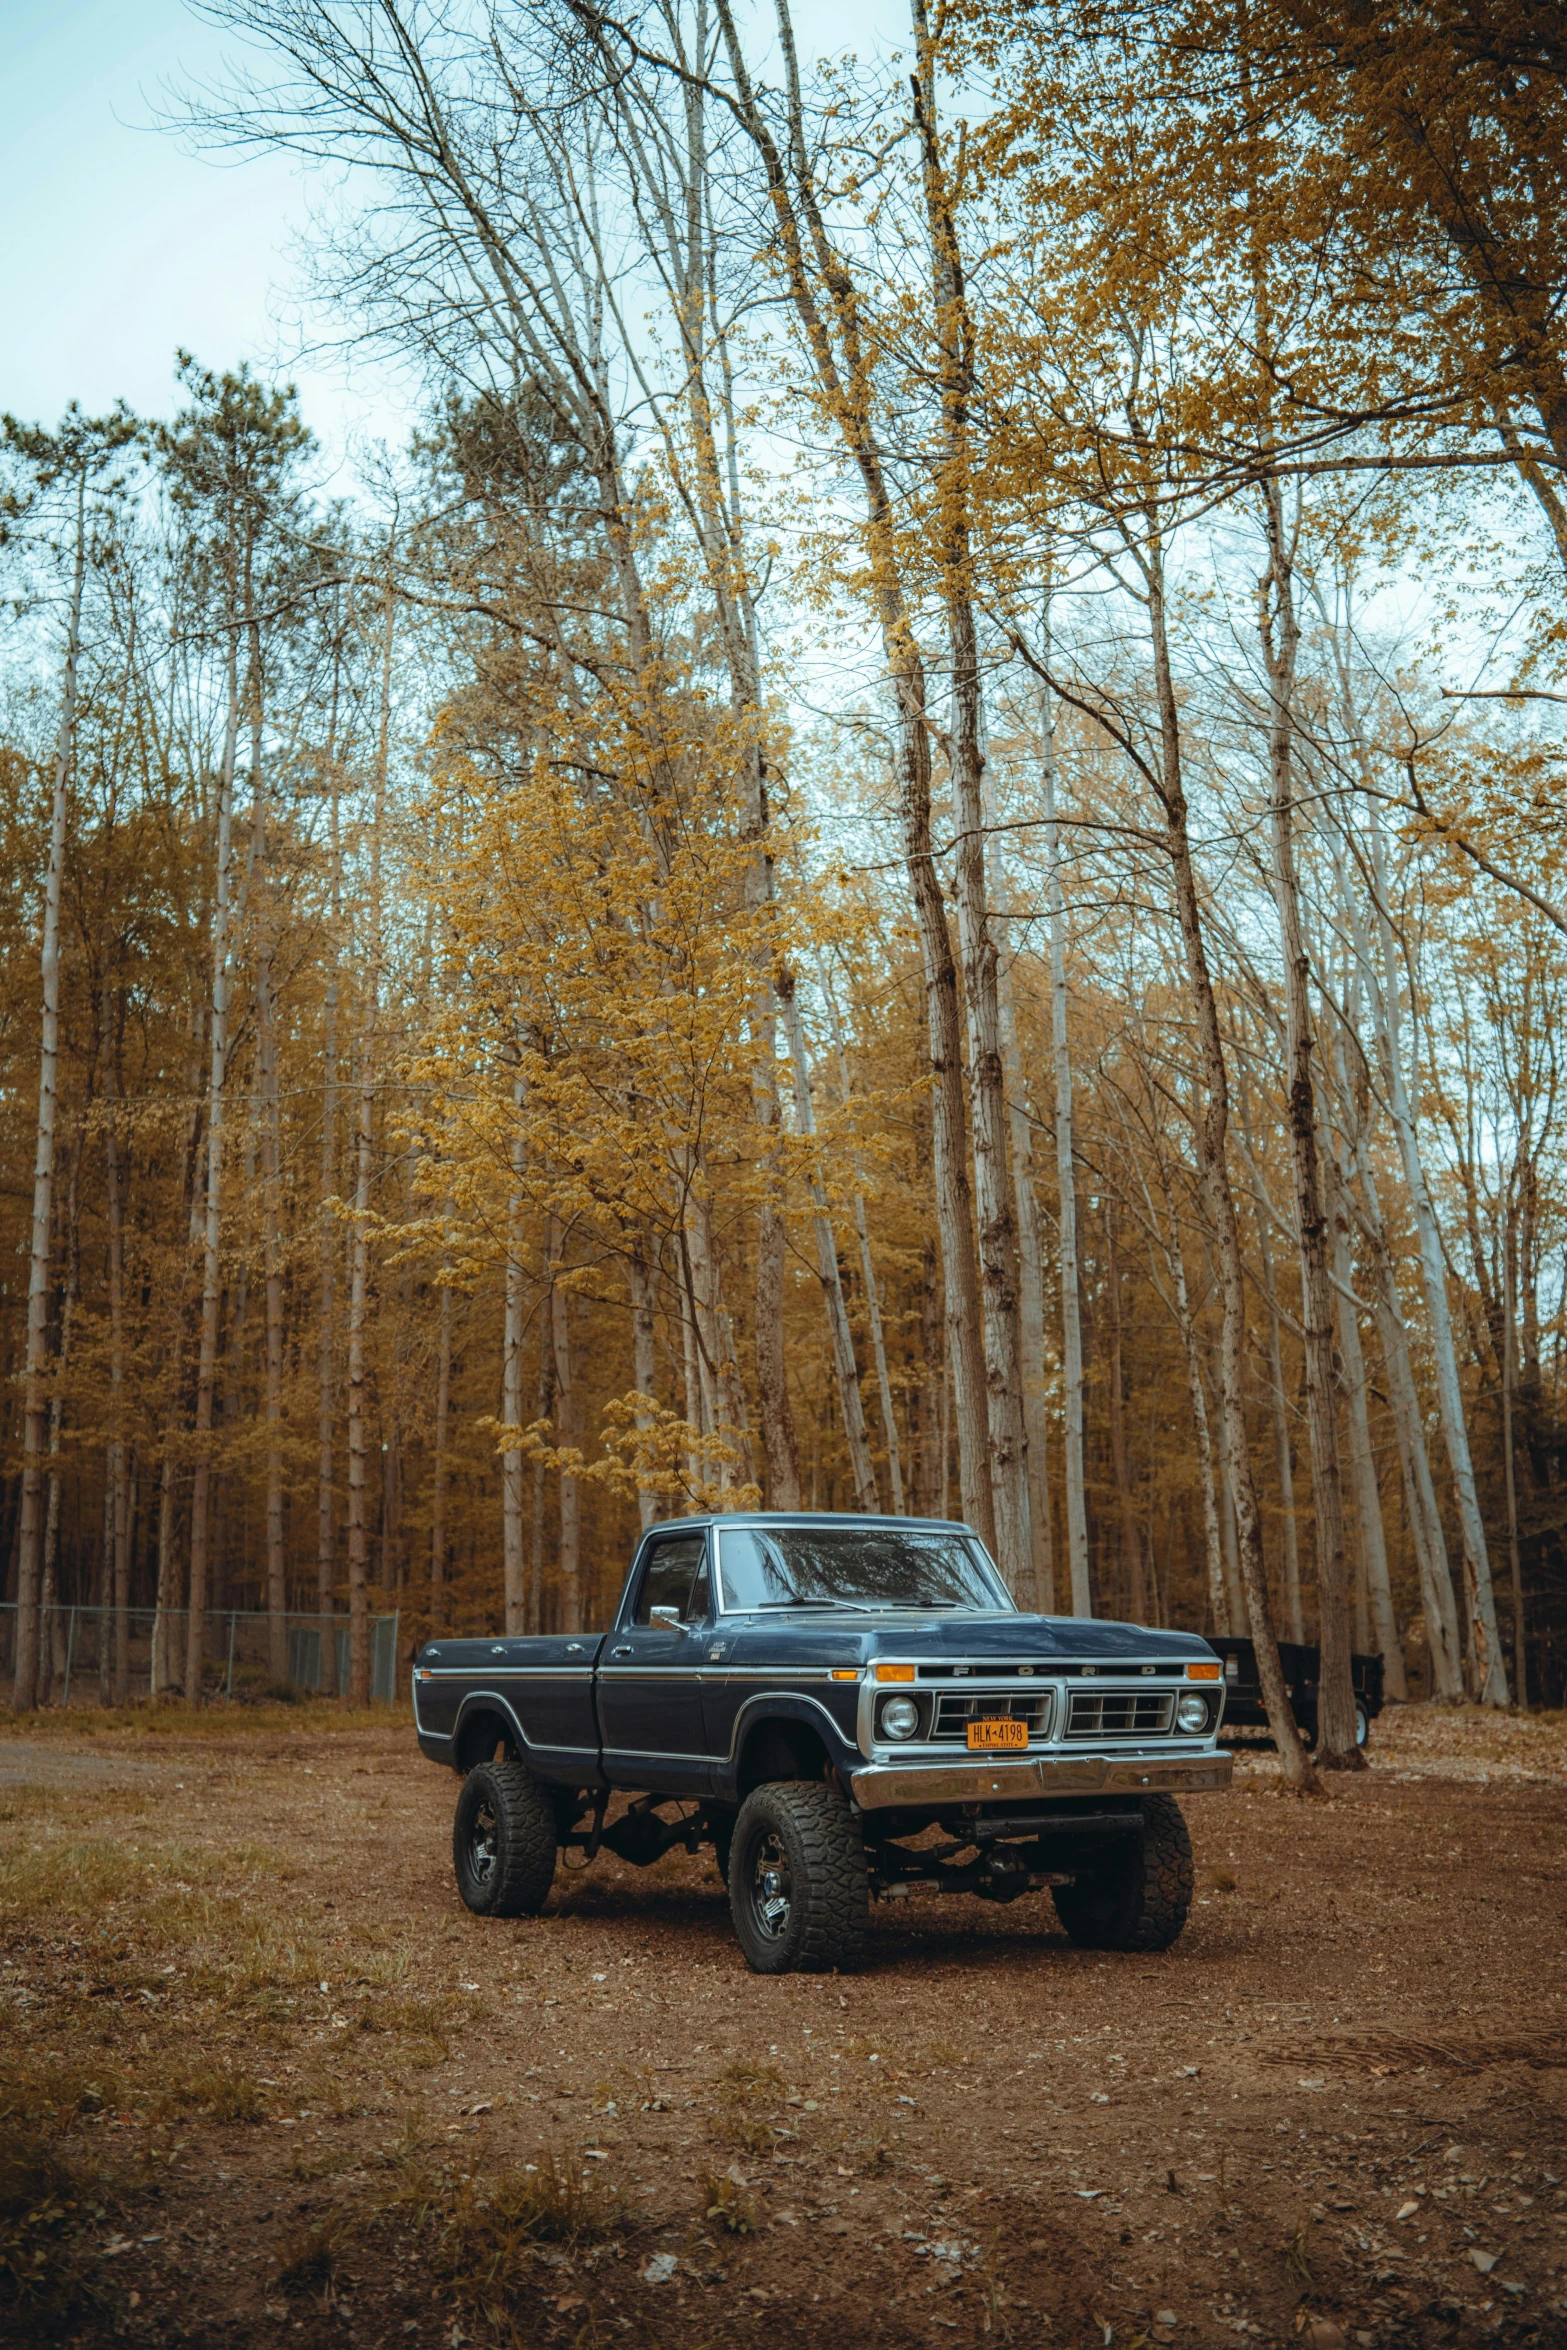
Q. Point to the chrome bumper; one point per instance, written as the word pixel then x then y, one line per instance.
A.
pixel 883 1784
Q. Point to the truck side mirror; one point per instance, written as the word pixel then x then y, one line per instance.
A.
pixel 667 1618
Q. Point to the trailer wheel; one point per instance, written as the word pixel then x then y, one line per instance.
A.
pixel 1139 1900
pixel 1362 1723
pixel 503 1841
pixel 798 1890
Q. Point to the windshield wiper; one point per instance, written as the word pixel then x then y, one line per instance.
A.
pixel 857 1606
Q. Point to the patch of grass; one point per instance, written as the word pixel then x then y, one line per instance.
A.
pixel 319 1716
pixel 724 2203
pixel 82 1877
pixel 480 2233
pixel 414 2016
pixel 221 2092
pixel 752 2084
pixel 323 2162
pixel 1297 2263
pixel 314 2257
pixel 745 2130
pixel 47 2277
pixel 48 2094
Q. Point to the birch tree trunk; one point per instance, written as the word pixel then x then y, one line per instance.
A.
pixel 931 1497
pixel 998 1268
pixel 1363 1468
pixel 823 294
pixel 443 1413
pixel 272 1257
pixel 639 1274
pixel 1031 1280
pixel 543 1409
pixel 52 1643
pixel 1343 1134
pixel 569 1557
pixel 1279 630
pixel 889 1420
pixel 358 1691
pixel 862 1470
pixel 326 1332
pixel 35 1423
pixel 1490 1677
pixel 116 1505
pixel 212 1219
pixel 1132 1577
pixel 162 1677
pixel 1509 1462
pixel 1213 1540
pixel 1212 1131
pixel 1443 1640
pixel 1278 1400
pixel 1425 1518
pixel 1066 1183
pixel 513 1569
pixel 359 1262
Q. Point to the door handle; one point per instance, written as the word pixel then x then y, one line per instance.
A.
pixel 626 1650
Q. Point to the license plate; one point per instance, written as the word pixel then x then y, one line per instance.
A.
pixel 998 1731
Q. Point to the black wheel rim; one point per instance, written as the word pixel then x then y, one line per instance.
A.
pixel 481 1843
pixel 771 1889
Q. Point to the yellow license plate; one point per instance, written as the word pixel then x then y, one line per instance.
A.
pixel 998 1731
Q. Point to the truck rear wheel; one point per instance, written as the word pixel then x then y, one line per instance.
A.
pixel 1140 1898
pixel 798 1891
pixel 503 1841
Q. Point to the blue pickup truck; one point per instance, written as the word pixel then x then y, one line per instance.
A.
pixel 844 1708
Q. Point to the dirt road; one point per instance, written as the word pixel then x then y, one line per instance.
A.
pixel 293 2091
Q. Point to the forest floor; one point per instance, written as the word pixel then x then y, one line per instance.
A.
pixel 262 2077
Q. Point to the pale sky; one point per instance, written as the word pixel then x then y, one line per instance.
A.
pixel 123 244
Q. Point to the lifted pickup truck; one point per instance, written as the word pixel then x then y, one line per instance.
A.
pixel 844 1708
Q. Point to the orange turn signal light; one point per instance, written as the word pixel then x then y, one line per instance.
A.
pixel 1205 1672
pixel 894 1672
pixel 844 1673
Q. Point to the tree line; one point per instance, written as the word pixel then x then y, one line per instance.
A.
pixel 908 861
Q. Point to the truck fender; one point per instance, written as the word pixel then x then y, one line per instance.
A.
pixel 781 1736
pixel 483 1719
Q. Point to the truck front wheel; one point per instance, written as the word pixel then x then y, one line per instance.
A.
pixel 503 1841
pixel 1139 1899
pixel 798 1891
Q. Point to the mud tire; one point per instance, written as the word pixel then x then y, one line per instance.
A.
pixel 1140 1900
pixel 503 1841
pixel 796 1843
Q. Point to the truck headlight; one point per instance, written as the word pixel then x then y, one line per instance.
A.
pixel 1191 1713
pixel 900 1717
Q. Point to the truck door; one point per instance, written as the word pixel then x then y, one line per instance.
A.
pixel 650 1673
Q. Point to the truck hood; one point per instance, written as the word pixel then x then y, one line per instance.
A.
pixel 939 1635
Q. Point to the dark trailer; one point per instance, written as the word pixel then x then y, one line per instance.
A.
pixel 1243 1706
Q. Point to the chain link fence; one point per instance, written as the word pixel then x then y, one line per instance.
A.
pixel 80 1651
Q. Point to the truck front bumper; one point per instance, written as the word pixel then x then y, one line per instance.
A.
pixel 883 1786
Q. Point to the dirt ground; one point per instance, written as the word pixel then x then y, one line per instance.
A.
pixel 262 2077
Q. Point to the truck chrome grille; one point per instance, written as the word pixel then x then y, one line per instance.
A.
pixel 954 1713
pixel 1119 1713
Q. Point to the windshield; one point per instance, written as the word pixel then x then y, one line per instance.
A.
pixel 855 1567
